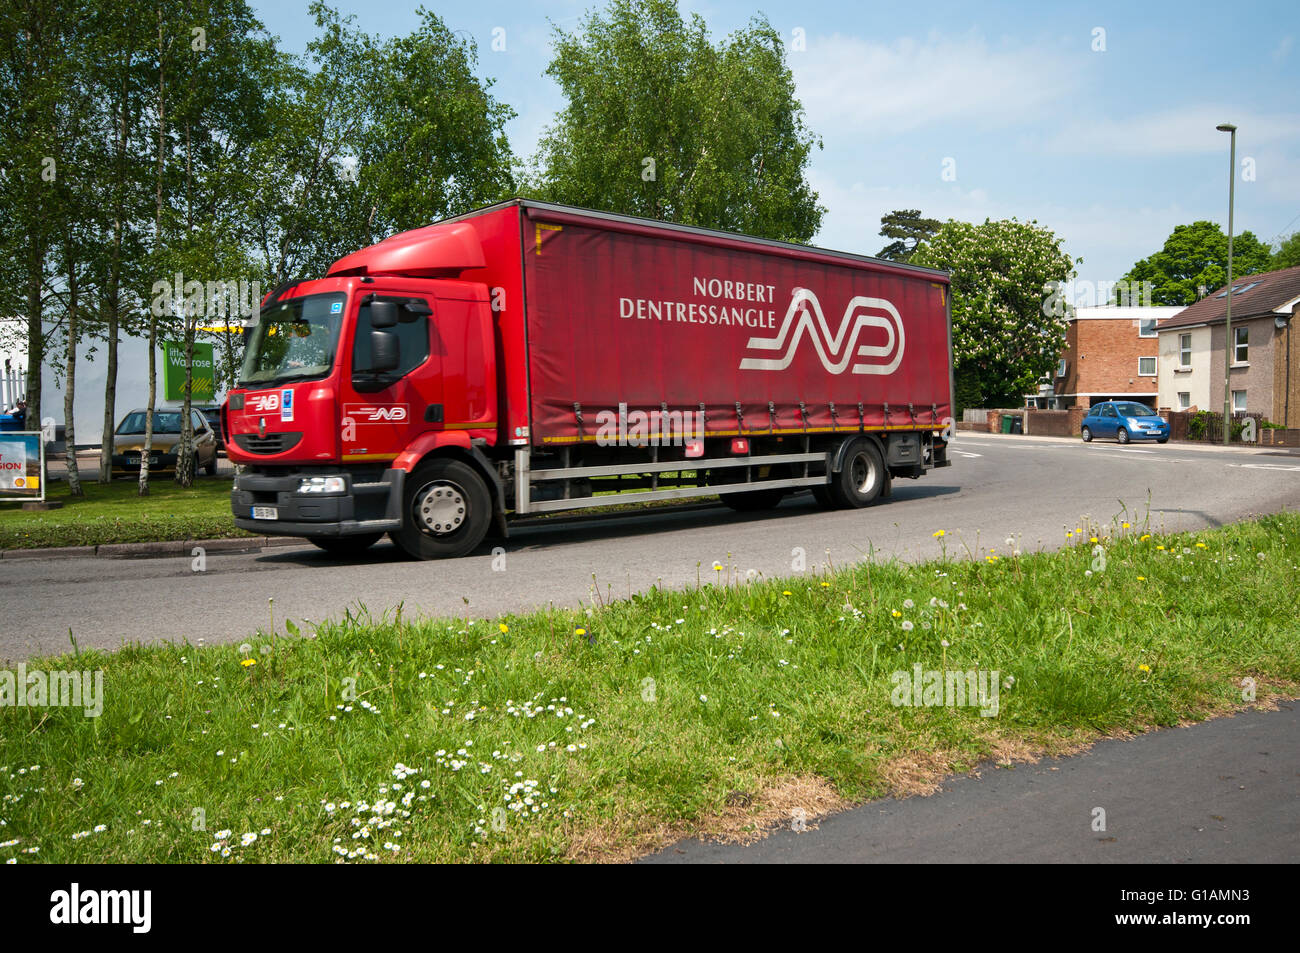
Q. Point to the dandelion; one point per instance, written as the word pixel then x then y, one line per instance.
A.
pixel 245 648
pixel 1142 578
pixel 939 534
pixel 896 614
pixel 1144 536
pixel 248 662
pixel 909 604
pixel 1144 667
pixel 907 625
pixel 787 592
pixel 1125 526
pixel 504 628
pixel 1201 546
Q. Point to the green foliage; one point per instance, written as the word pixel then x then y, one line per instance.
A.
pixel 662 122
pixel 1196 255
pixel 1004 339
pixel 908 230
pixel 1287 254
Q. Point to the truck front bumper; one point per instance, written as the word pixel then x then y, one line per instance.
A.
pixel 366 505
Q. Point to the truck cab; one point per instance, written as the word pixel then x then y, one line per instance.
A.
pixel 341 377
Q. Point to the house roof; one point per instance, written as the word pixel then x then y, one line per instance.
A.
pixel 1253 296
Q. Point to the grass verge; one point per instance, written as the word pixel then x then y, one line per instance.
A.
pixel 116 513
pixel 600 733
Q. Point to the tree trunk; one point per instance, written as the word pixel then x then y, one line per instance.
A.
pixel 70 388
pixel 35 333
pixel 157 241
pixel 112 296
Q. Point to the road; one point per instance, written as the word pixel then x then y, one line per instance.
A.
pixel 997 487
pixel 1225 791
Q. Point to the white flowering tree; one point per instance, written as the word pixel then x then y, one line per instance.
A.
pixel 1004 339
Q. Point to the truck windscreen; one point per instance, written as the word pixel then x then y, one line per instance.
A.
pixel 293 339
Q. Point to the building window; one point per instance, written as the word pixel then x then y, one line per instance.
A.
pixel 1146 367
pixel 1184 350
pixel 1238 401
pixel 1147 327
pixel 1060 368
pixel 1240 351
pixel 1184 399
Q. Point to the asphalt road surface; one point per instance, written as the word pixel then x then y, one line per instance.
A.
pixel 1224 791
pixel 997 487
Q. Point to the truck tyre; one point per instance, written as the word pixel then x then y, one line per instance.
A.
pixel 343 547
pixel 862 477
pixel 446 511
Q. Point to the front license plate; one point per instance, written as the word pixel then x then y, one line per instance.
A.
pixel 266 513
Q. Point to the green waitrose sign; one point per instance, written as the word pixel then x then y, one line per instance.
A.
pixel 202 385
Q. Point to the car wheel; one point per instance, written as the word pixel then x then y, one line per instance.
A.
pixel 1122 435
pixel 1087 435
pixel 1162 440
pixel 211 468
pixel 446 511
pixel 862 478
pixel 343 546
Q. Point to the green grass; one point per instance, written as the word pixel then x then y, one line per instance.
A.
pixel 758 687
pixel 116 513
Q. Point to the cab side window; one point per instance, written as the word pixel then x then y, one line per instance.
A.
pixel 412 334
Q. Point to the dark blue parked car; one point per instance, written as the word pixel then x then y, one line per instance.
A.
pixel 1125 420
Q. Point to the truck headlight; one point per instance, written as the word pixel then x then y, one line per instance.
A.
pixel 322 485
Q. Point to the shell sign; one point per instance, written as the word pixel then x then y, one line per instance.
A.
pixel 21 465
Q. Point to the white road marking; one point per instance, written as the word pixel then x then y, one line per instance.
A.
pixel 1129 450
pixel 965 454
pixel 1262 466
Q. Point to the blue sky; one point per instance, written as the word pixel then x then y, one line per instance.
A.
pixel 1111 149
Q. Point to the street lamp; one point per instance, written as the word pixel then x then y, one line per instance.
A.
pixel 1227 330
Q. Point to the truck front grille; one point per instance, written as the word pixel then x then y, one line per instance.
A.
pixel 271 443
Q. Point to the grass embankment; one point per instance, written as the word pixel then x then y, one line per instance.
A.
pixel 598 734
pixel 116 513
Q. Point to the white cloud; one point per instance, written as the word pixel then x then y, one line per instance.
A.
pixel 1108 238
pixel 1188 130
pixel 849 82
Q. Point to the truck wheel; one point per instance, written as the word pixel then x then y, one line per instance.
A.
pixel 862 478
pixel 446 511
pixel 345 546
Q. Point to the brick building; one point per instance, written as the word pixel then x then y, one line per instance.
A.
pixel 1265 367
pixel 1110 353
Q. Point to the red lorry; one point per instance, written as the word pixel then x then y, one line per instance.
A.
pixel 528 357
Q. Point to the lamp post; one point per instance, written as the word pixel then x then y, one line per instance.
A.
pixel 1227 330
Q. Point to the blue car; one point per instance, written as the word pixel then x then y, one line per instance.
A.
pixel 1125 420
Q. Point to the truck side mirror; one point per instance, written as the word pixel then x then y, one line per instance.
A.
pixel 383 314
pixel 384 350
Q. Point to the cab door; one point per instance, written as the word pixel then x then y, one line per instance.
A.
pixel 383 411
